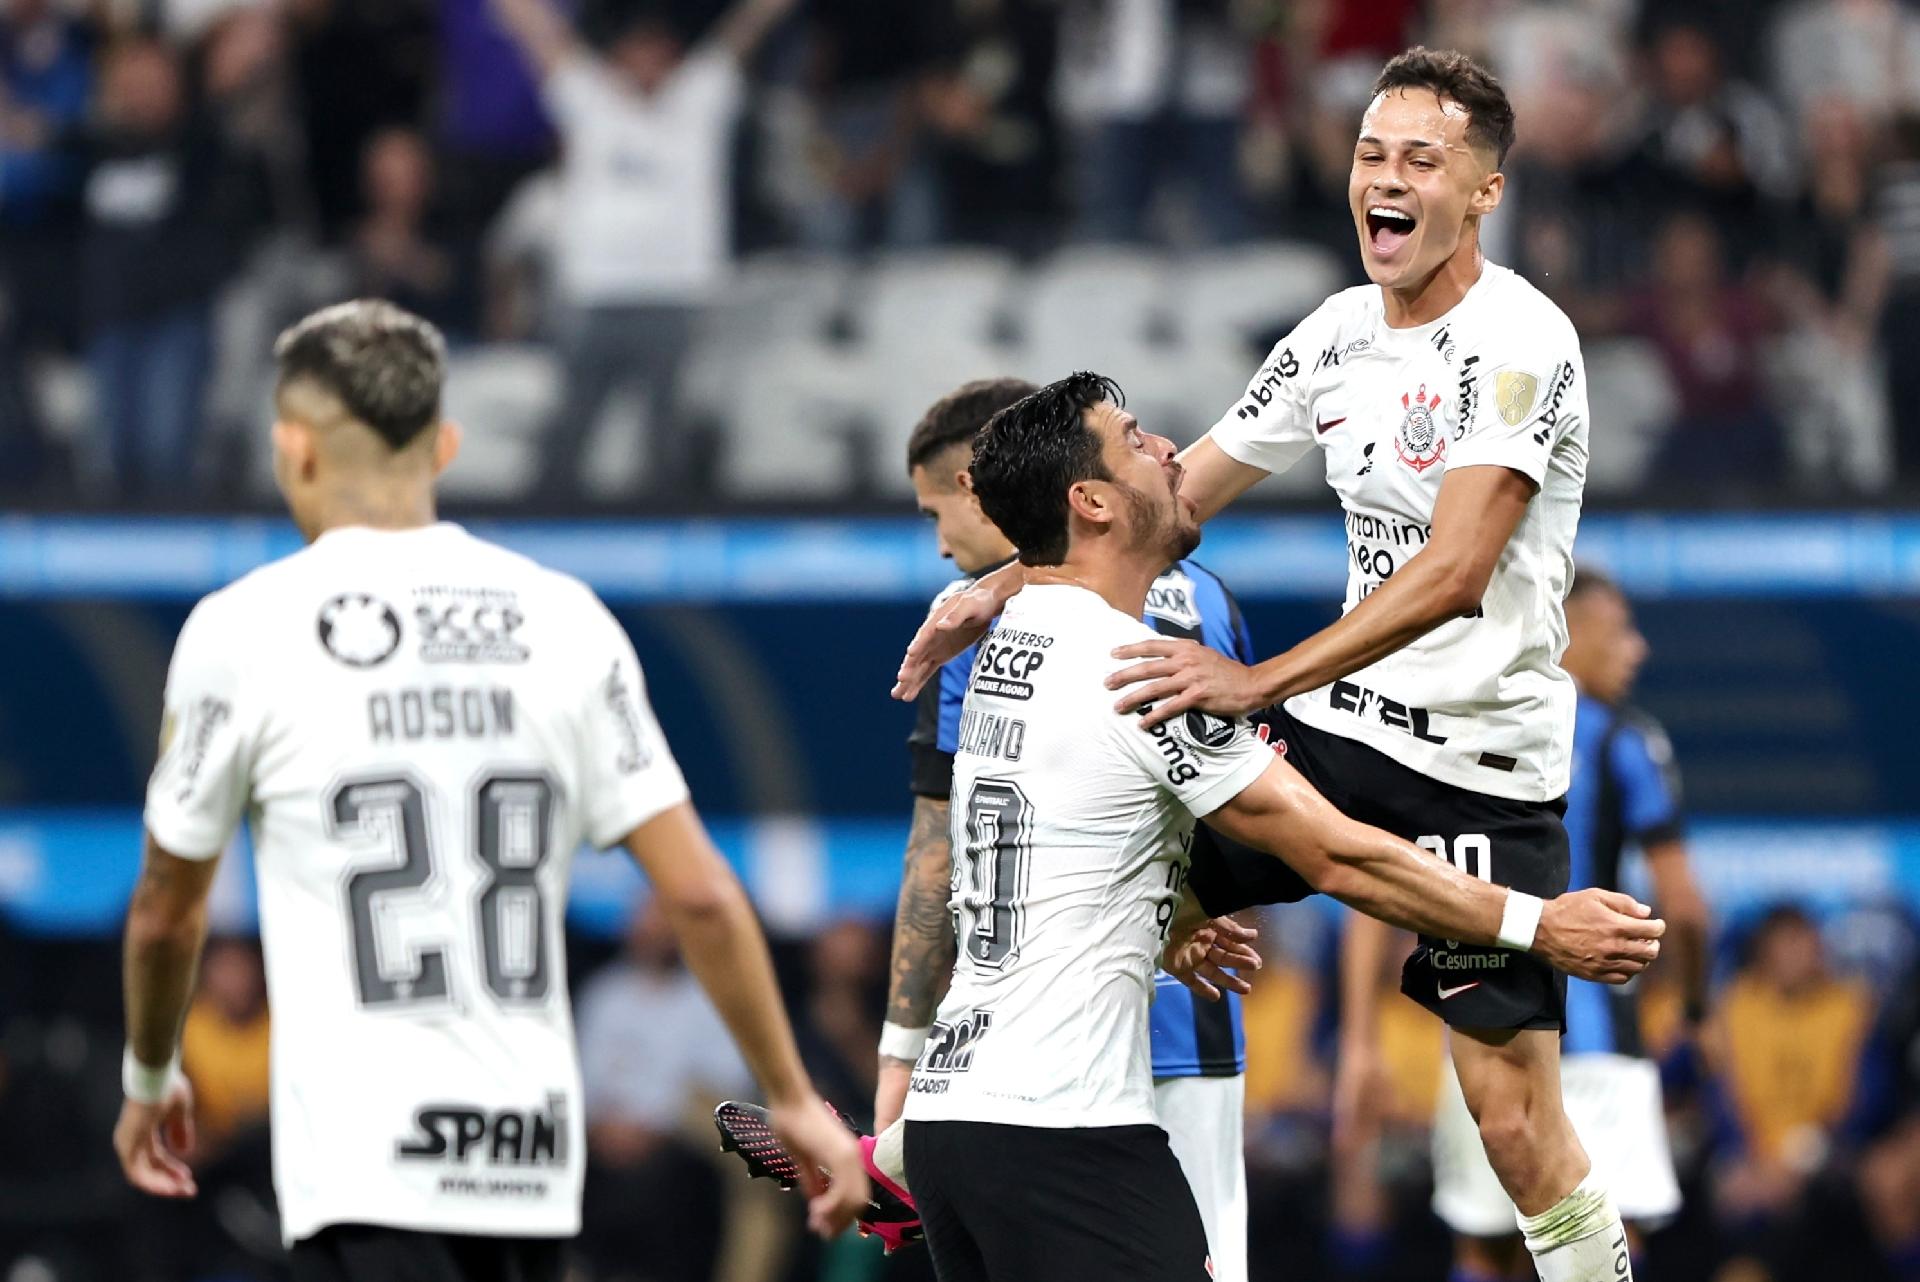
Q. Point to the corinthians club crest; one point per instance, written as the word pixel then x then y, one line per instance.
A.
pixel 1420 442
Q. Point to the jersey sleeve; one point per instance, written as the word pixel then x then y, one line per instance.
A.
pixel 713 77
pixel 1203 760
pixel 936 727
pixel 1271 426
pixel 1526 397
pixel 628 773
pixel 1649 782
pixel 576 91
pixel 201 782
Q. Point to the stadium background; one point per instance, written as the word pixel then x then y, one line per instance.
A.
pixel 1724 193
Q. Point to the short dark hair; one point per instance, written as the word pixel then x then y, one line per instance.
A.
pixel 1449 73
pixel 1588 579
pixel 957 416
pixel 384 365
pixel 1028 456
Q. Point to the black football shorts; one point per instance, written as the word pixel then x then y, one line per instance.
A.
pixel 1522 844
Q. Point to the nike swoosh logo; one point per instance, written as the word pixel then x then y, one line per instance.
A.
pixel 1332 422
pixel 1446 992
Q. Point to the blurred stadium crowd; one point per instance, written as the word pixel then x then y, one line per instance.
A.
pixel 1794 1109
pixel 1725 194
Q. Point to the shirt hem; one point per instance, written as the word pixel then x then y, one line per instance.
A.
pixel 1438 766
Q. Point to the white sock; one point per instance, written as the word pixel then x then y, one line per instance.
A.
pixel 1579 1238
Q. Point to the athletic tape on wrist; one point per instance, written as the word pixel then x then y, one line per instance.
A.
pixel 902 1043
pixel 1519 920
pixel 144 1084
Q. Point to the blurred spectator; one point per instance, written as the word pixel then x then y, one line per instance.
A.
pixel 654 1059
pixel 395 254
pixel 989 111
pixel 1865 50
pixel 839 1024
pixel 46 75
pixel 360 65
pixel 1787 1039
pixel 1720 143
pixel 1890 1172
pixel 164 228
pixel 1156 89
pixel 857 174
pixel 518 256
pixel 246 82
pixel 1711 333
pixel 1890 273
pixel 223 1047
pixel 492 127
pixel 644 234
pixel 1831 382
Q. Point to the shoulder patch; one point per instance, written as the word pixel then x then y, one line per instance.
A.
pixel 1514 393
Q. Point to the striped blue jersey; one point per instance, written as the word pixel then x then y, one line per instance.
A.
pixel 1625 792
pixel 1190 1038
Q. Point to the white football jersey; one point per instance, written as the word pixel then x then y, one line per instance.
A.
pixel 1480 702
pixel 1071 826
pixel 422 728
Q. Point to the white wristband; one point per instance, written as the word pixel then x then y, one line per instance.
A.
pixel 1519 920
pixel 902 1043
pixel 143 1084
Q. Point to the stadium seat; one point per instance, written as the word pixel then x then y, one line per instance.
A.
pixel 1630 401
pixel 1252 293
pixel 911 299
pixel 501 395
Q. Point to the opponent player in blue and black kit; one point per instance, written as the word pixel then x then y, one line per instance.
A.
pixel 1199 1049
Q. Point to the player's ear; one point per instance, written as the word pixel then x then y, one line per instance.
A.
pixel 964 479
pixel 1486 197
pixel 1088 501
pixel 446 445
pixel 295 447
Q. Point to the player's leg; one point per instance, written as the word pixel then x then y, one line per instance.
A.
pixel 1202 1119
pixel 943 1160
pixel 1511 1081
pixel 1468 1198
pixel 1105 1204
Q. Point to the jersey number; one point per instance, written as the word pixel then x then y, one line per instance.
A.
pixel 511 822
pixel 990 880
pixel 1472 853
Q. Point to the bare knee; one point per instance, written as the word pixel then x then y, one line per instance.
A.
pixel 1511 1130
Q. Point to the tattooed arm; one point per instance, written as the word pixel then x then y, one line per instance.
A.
pixel 923 947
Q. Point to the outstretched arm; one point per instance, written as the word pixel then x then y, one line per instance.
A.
pixel 923 954
pixel 743 27
pixel 1475 515
pixel 166 930
pixel 542 32
pixel 720 937
pixel 1593 934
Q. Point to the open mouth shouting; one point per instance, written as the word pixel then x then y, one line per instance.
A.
pixel 1388 228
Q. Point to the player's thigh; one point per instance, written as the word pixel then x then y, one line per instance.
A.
pixel 942 1161
pixel 1203 1119
pixel 1108 1204
pixel 1509 843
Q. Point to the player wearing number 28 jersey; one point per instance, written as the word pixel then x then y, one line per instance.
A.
pixel 423 728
